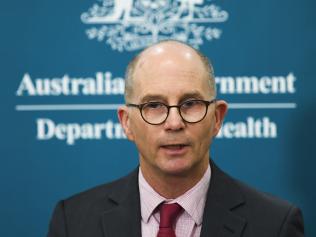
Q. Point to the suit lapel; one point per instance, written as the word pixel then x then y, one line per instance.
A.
pixel 219 220
pixel 125 218
pixel 223 196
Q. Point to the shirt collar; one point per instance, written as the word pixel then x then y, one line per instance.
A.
pixel 149 198
pixel 192 201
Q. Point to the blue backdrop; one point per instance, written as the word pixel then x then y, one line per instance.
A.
pixel 62 64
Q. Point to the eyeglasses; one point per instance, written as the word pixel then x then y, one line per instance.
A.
pixel 191 111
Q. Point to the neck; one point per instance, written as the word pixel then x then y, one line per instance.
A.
pixel 171 186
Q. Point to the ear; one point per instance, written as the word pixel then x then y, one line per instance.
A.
pixel 220 112
pixel 124 117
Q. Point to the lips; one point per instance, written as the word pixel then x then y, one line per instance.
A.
pixel 175 149
pixel 174 146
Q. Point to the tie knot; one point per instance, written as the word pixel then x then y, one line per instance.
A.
pixel 168 214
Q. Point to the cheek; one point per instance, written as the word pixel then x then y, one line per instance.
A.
pixel 206 138
pixel 204 134
pixel 143 137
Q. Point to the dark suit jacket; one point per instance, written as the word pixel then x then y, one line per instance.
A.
pixel 232 210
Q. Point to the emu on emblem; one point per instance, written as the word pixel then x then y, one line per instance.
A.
pixel 132 25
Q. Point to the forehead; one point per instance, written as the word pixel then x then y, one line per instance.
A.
pixel 170 72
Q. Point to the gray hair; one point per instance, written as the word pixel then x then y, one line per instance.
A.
pixel 133 63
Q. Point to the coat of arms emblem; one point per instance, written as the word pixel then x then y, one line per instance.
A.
pixel 134 24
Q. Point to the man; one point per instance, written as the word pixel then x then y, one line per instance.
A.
pixel 172 116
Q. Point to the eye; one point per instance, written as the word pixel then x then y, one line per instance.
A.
pixel 153 105
pixel 191 103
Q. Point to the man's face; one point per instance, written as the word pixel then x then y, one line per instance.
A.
pixel 174 147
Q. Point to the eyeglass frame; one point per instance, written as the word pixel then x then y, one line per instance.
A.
pixel 140 107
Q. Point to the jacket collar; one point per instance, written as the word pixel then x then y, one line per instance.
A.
pixel 223 197
pixel 218 219
pixel 124 219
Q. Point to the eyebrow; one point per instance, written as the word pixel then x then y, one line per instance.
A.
pixel 152 97
pixel 157 97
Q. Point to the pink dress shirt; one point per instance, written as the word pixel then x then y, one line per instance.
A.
pixel 189 223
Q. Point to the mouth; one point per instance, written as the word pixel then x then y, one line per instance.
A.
pixel 174 146
pixel 175 149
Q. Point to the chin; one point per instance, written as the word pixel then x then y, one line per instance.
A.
pixel 178 167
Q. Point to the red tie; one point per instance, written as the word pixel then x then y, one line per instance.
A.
pixel 168 215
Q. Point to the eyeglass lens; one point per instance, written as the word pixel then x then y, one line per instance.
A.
pixel 190 111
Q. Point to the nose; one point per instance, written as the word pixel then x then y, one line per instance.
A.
pixel 174 121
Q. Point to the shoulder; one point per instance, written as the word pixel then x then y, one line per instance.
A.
pixel 268 212
pixel 100 196
pixel 271 213
pixel 255 198
pixel 264 213
pixel 88 207
pixel 231 190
